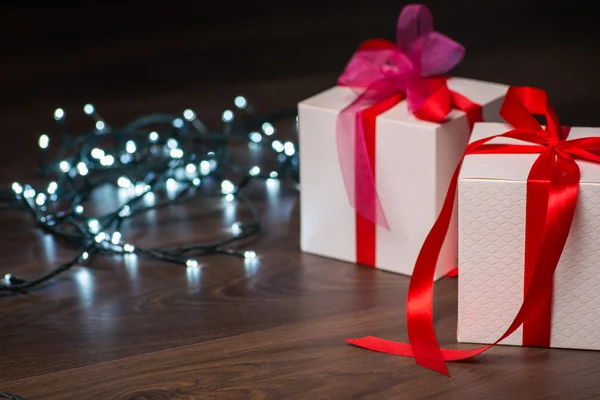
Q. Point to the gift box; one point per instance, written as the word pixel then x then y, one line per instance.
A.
pixel 529 239
pixel 492 192
pixel 377 151
pixel 413 162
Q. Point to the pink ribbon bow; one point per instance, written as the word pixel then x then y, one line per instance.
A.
pixel 378 70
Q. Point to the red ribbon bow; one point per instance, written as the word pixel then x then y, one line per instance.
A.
pixel 552 190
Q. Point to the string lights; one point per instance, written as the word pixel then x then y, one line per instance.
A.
pixel 155 161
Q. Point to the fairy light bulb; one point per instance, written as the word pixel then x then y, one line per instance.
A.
pixel 124 182
pixel 191 263
pixel 116 238
pixel 227 116
pixel 189 115
pixel 236 228
pixel 82 168
pixel 176 153
pixel 40 199
pixel 88 109
pixel 153 136
pixel 268 129
pixel 100 237
pixel 172 143
pixel 227 187
pixel 249 254
pixel 64 166
pixel 94 225
pixel 254 171
pixel 100 125
pixel 17 188
pixel 79 209
pixel 29 192
pixel 52 187
pixel 178 123
pixel 240 102
pixel 130 147
pixel 125 211
pixel 59 114
pixel 128 248
pixel 273 174
pixel 190 168
pixel 97 153
pixel 289 149
pixel 277 146
pixel 107 160
pixel 84 256
pixel 43 141
pixel 255 137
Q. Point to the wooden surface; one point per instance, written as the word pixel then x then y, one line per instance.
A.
pixel 136 329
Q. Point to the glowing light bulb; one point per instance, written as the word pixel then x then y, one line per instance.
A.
pixel 189 115
pixel 130 147
pixel 255 137
pixel 249 254
pixel 268 129
pixel 43 141
pixel 79 209
pixel 64 166
pixel 191 263
pixel 196 182
pixel 178 123
pixel 40 199
pixel 240 102
pixel 124 182
pixel 101 237
pixel 29 193
pixel 227 187
pixel 254 171
pixel 100 125
pixel 7 278
pixel 190 168
pixel 17 188
pixel 107 160
pixel 273 174
pixel 153 136
pixel 125 158
pixel 227 116
pixel 59 114
pixel 97 153
pixel 52 187
pixel 229 197
pixel 171 184
pixel 88 109
pixel 116 238
pixel 277 146
pixel 176 153
pixel 84 256
pixel 94 225
pixel 82 168
pixel 172 143
pixel 128 248
pixel 125 211
pixel 289 148
pixel 236 228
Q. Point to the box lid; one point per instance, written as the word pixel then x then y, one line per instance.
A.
pixel 338 97
pixel 516 167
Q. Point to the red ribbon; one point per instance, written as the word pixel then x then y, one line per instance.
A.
pixel 435 109
pixel 552 190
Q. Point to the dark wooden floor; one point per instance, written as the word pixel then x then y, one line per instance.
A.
pixel 146 330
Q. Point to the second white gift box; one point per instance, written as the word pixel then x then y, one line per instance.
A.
pixel 492 236
pixel 413 164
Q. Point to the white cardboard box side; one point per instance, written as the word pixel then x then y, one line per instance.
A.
pixel 414 162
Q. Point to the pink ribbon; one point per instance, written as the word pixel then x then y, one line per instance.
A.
pixel 378 70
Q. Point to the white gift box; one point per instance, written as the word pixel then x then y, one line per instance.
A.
pixel 414 161
pixel 491 202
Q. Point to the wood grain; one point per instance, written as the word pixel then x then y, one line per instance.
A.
pixel 138 329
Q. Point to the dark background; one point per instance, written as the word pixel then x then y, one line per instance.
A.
pixel 61 54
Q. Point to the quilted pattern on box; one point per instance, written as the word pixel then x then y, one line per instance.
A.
pixel 491 252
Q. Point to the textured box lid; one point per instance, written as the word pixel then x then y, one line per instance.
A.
pixel 338 97
pixel 516 167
